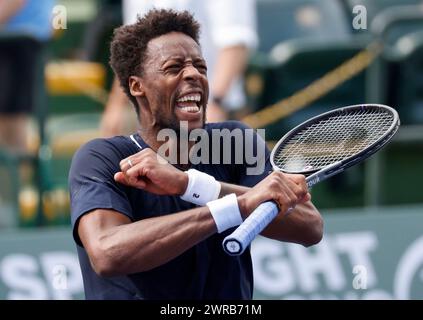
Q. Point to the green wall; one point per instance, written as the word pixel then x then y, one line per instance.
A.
pixel 365 254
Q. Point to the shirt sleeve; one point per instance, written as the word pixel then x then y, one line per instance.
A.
pixel 91 182
pixel 233 22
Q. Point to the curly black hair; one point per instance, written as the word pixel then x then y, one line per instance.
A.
pixel 129 44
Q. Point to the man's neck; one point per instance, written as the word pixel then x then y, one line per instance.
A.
pixel 175 148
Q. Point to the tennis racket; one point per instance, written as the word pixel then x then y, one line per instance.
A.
pixel 320 148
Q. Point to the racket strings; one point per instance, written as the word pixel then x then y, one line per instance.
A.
pixel 332 140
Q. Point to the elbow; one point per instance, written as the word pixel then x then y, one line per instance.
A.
pixel 103 261
pixel 315 233
pixel 103 269
pixel 107 261
pixel 107 267
pixel 104 266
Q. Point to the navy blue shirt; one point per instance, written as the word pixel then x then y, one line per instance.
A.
pixel 204 271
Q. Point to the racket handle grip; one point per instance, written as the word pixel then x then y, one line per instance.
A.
pixel 239 240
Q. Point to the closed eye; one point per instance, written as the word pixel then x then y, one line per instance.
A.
pixel 173 68
pixel 202 69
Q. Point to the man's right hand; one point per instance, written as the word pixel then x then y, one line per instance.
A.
pixel 287 190
pixel 148 171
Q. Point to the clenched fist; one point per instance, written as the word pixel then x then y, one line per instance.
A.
pixel 287 190
pixel 148 171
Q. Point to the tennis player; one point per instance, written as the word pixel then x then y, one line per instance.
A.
pixel 147 228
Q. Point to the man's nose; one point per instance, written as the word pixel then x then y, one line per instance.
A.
pixel 191 73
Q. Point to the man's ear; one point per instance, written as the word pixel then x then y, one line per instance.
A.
pixel 136 87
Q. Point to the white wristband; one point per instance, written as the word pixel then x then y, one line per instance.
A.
pixel 201 188
pixel 225 212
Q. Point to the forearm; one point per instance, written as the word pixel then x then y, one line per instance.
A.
pixel 227 188
pixel 230 64
pixel 149 243
pixel 303 225
pixel 124 247
pixel 9 8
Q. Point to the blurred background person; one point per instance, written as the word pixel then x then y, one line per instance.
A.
pixel 229 34
pixel 25 27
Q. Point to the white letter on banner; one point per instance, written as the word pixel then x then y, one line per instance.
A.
pixel 273 274
pixel 319 259
pixel 19 272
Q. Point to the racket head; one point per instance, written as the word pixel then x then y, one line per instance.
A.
pixel 345 135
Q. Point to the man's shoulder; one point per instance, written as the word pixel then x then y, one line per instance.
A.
pixel 106 147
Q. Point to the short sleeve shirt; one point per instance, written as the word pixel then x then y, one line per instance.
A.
pixel 204 271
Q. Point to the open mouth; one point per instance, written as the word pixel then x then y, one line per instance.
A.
pixel 189 103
